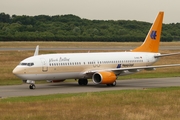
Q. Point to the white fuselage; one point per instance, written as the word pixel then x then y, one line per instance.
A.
pixel 75 65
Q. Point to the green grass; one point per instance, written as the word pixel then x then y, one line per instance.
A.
pixel 79 95
pixel 148 104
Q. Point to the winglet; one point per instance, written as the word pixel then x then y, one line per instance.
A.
pixel 151 43
pixel 36 50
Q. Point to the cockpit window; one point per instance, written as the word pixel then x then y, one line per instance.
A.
pixel 30 64
pixel 26 64
pixel 23 64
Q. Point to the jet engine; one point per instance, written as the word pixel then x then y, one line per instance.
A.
pixel 104 78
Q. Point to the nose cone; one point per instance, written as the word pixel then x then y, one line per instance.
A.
pixel 18 71
pixel 14 71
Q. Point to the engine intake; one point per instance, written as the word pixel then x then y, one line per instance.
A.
pixel 104 77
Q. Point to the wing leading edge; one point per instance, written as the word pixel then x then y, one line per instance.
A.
pixel 118 71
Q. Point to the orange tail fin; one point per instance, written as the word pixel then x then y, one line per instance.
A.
pixel 151 43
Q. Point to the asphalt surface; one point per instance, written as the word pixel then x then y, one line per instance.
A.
pixel 73 87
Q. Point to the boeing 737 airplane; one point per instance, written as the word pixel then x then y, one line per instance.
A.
pixel 101 67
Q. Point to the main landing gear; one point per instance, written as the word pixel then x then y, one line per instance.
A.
pixel 83 82
pixel 113 84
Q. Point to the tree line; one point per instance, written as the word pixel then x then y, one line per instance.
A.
pixel 73 28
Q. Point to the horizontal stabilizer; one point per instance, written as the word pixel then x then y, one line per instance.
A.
pixel 163 55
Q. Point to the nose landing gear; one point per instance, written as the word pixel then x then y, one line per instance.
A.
pixel 31 82
pixel 32 86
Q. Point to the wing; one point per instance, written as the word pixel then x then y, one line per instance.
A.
pixel 118 71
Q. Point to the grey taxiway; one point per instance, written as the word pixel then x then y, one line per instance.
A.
pixel 73 87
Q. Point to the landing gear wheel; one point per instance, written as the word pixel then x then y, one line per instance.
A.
pixel 83 82
pixel 80 82
pixel 32 86
pixel 108 85
pixel 113 84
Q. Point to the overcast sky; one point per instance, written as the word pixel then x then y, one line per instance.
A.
pixel 141 10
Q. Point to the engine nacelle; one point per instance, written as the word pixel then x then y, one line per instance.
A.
pixel 104 77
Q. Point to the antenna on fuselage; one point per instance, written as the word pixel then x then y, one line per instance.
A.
pixel 36 52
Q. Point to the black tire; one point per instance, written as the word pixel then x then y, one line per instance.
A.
pixel 80 82
pixel 113 84
pixel 83 82
pixel 108 85
pixel 32 86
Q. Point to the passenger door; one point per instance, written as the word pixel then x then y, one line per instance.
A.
pixel 44 65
